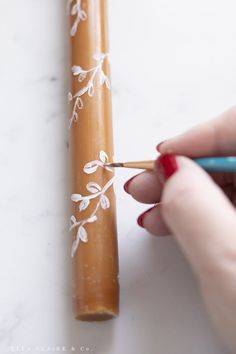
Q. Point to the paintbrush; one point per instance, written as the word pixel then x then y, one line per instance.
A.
pixel 210 164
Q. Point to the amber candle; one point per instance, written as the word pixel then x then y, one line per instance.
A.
pixel 93 221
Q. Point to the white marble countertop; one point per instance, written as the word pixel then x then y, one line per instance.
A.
pixel 173 65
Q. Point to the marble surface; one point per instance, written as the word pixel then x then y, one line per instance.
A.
pixel 173 65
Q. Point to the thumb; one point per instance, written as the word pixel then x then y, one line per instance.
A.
pixel 198 214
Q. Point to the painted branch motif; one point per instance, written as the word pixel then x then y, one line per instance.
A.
pixel 76 11
pixel 89 88
pixel 96 193
pixel 95 78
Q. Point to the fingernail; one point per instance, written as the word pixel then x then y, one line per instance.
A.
pixel 159 145
pixel 142 216
pixel 126 185
pixel 166 166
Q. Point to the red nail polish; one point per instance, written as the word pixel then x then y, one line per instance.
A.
pixel 126 185
pixel 159 145
pixel 141 216
pixel 166 166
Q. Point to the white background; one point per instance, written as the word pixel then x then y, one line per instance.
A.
pixel 173 65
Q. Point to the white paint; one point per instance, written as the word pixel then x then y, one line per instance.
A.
pixel 74 9
pixel 97 192
pixel 96 72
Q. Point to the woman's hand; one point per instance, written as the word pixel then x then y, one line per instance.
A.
pixel 198 209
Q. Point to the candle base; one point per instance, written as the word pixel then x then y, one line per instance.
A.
pixel 102 314
pixel 97 311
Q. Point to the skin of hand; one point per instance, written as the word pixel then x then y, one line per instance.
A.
pixel 198 209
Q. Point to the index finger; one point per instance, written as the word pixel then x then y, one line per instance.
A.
pixel 213 138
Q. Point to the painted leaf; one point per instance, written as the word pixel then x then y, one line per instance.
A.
pixel 93 187
pixel 109 169
pixel 84 204
pixel 82 15
pixel 74 247
pixel 92 218
pixel 68 6
pixel 76 70
pixel 70 123
pixel 107 82
pixel 75 116
pixel 82 76
pixel 103 156
pixel 105 203
pixel 70 97
pixel 73 219
pixel 101 79
pixel 98 56
pixel 90 168
pixel 82 233
pixel 74 10
pixel 76 197
pixel 73 29
pixel 82 91
pixel 91 90
pixel 80 103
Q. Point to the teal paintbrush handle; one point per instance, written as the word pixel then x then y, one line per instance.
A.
pixel 217 164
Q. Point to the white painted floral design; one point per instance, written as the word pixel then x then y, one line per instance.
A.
pixel 74 9
pixel 95 72
pixel 96 193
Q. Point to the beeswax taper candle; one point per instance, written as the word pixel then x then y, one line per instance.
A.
pixel 93 221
